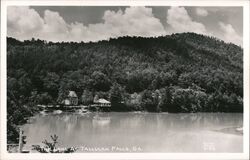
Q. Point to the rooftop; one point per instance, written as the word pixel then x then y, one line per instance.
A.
pixel 72 94
pixel 101 100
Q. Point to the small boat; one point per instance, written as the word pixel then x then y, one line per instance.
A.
pixel 83 110
pixel 57 112
pixel 43 113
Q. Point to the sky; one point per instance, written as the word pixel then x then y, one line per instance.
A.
pixel 94 23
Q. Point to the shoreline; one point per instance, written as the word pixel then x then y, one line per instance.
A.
pixel 235 130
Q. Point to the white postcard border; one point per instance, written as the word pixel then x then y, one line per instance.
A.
pixel 35 156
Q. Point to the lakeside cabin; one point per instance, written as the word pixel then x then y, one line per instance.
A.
pixel 101 104
pixel 71 100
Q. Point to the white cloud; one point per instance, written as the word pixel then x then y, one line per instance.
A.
pixel 54 27
pixel 229 34
pixel 180 21
pixel 201 12
pixel 138 21
pixel 25 23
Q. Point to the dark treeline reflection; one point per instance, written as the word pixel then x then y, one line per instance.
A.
pixel 128 129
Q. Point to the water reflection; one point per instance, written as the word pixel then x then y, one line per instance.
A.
pixel 101 121
pixel 153 132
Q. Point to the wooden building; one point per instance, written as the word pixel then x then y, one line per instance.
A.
pixel 72 99
pixel 101 104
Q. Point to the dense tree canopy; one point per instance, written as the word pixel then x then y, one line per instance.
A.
pixel 195 72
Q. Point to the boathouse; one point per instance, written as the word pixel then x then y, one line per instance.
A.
pixel 101 104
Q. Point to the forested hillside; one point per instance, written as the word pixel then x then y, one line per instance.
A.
pixel 177 73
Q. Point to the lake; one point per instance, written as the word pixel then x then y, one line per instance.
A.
pixel 139 132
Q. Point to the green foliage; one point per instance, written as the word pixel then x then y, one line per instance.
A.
pixel 51 147
pixel 17 114
pixel 150 101
pixel 133 101
pixel 51 84
pixel 100 81
pixel 189 100
pixel 42 98
pixel 165 102
pixel 116 98
pixel 87 97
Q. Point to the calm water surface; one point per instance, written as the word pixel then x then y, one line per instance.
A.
pixel 138 132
